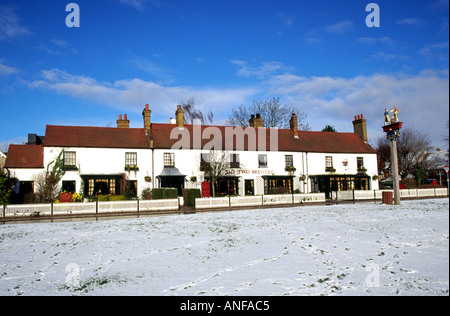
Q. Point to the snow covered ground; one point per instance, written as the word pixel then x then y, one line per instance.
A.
pixel 361 249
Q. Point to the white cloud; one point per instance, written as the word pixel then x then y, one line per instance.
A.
pixel 10 27
pixel 412 22
pixel 375 40
pixel 340 27
pixel 6 70
pixel 286 19
pixel 132 94
pixel 421 99
pixel 263 71
pixel 137 4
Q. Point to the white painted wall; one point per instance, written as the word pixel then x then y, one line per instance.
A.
pixel 108 161
pixel 104 161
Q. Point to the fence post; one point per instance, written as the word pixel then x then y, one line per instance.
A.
pixel 138 205
pixel 229 201
pixel 262 199
pixel 51 209
pixel 96 206
pixel 353 196
pixel 3 212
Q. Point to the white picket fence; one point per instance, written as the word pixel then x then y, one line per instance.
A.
pixel 204 203
pixel 359 195
pixel 90 208
pixel 236 201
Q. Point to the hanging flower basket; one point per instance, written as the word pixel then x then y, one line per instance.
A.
pixel 148 179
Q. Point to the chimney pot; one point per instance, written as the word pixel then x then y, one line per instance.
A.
pixel 362 116
pixel 120 116
pixel 125 117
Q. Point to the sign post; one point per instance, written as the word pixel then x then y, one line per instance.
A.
pixel 392 129
pixel 446 169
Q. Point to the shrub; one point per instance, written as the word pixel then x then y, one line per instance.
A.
pixel 170 193
pixel 191 195
pixel 103 198
pixel 146 194
pixel 117 198
pixel 157 194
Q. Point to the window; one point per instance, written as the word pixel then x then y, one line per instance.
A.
pixel 169 160
pixel 360 162
pixel 131 159
pixel 70 159
pixel 289 161
pixel 329 164
pixel 68 186
pixel 262 161
pixel 234 161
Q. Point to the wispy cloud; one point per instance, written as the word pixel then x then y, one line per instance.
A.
pixel 137 4
pixel 140 4
pixel 7 70
pixel 286 19
pixel 375 40
pixel 340 27
pixel 261 71
pixel 336 99
pixel 412 22
pixel 10 26
pixel 131 94
pixel 436 51
pixel 152 68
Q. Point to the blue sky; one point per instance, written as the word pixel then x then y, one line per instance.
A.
pixel 318 56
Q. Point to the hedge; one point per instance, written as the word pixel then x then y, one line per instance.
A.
pixel 190 195
pixel 170 193
pixel 157 194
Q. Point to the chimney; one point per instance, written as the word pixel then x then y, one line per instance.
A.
pixel 293 125
pixel 172 121
pixel 359 127
pixel 179 116
pixel 251 121
pixel 125 123
pixel 146 114
pixel 256 121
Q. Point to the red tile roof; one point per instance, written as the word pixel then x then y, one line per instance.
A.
pixel 321 142
pixel 99 137
pixel 32 156
pixel 25 156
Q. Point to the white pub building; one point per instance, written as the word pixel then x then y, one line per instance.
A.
pixel 260 160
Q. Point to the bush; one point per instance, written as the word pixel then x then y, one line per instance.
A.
pixel 146 194
pixel 170 193
pixel 157 194
pixel 117 198
pixel 191 195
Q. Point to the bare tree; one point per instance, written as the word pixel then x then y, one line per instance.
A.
pixel 191 113
pixel 273 112
pixel 413 148
pixel 214 165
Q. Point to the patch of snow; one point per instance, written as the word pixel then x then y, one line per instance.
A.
pixel 360 249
